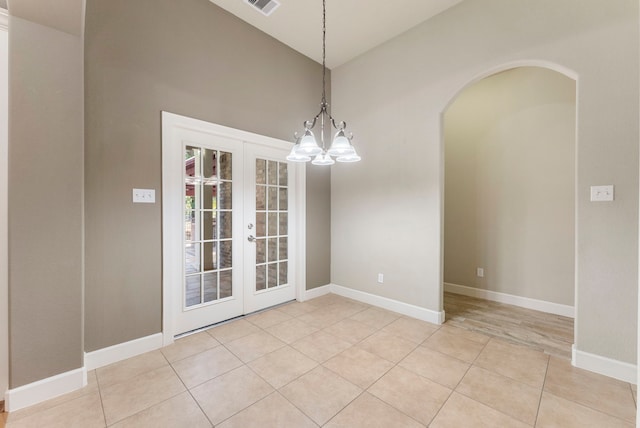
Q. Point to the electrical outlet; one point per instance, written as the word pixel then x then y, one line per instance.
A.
pixel 602 193
pixel 380 278
pixel 480 272
pixel 144 196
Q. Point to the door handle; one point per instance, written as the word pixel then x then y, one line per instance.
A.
pixel 251 238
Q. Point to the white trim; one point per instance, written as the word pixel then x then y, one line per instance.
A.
pixel 301 232
pixel 4 204
pixel 45 389
pixel 122 351
pixel 523 302
pixel 4 20
pixel 605 366
pixel 315 292
pixel 410 310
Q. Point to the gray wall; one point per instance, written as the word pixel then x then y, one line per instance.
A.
pixel 318 226
pixel 387 209
pixel 45 202
pixel 190 58
pixel 510 185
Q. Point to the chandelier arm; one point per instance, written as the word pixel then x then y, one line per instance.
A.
pixel 337 125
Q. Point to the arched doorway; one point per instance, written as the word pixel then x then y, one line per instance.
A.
pixel 509 193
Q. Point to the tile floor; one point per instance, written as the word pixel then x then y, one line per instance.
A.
pixel 334 362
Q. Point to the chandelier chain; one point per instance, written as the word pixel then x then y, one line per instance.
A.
pixel 306 146
pixel 324 37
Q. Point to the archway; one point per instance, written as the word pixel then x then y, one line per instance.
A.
pixel 509 150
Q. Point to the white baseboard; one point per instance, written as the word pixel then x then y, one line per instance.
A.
pixel 605 366
pixel 122 351
pixel 45 389
pixel 523 302
pixel 413 311
pixel 316 292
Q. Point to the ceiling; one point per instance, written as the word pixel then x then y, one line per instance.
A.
pixel 353 26
pixel 63 15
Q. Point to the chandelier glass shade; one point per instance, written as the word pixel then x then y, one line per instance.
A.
pixel 306 147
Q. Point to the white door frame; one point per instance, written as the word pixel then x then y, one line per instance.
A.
pixel 172 236
pixel 4 203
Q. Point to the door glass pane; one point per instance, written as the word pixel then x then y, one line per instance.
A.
pixel 192 162
pixel 261 277
pixel 261 198
pixel 273 198
pixel 261 224
pixel 192 290
pixel 273 275
pixel 209 197
pixel 210 259
pixel 207 220
pixel 226 254
pixel 225 224
pixel 210 281
pixel 272 222
pixel 284 199
pixel 209 163
pixel 284 222
pixel 225 284
pixel 283 276
pixel 272 249
pixel 283 168
pixel 272 172
pixel 192 258
pixel 190 226
pixel 261 251
pixel 261 171
pixel 225 165
pixel 208 226
pixel 224 198
pixel 282 249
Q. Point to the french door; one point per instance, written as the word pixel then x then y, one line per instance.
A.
pixel 268 200
pixel 235 213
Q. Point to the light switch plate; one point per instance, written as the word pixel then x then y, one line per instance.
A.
pixel 144 196
pixel 602 193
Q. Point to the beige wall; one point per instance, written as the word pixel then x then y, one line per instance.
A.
pixel 318 226
pixel 387 209
pixel 510 185
pixel 45 202
pixel 192 59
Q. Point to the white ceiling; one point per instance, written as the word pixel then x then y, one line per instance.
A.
pixel 353 26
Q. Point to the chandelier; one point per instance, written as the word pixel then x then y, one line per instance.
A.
pixel 306 146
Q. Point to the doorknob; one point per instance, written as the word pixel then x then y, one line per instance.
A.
pixel 251 238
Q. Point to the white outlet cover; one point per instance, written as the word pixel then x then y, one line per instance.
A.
pixel 602 193
pixel 144 196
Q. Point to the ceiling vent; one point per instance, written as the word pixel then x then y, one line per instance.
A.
pixel 266 7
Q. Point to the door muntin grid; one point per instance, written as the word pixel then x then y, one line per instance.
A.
pixel 272 224
pixel 207 226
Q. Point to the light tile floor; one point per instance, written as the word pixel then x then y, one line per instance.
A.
pixel 335 362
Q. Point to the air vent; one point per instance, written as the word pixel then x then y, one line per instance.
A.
pixel 266 7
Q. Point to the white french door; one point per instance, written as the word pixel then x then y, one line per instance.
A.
pixel 230 205
pixel 269 195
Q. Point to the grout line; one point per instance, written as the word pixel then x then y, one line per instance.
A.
pixel 544 382
pixel 104 414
